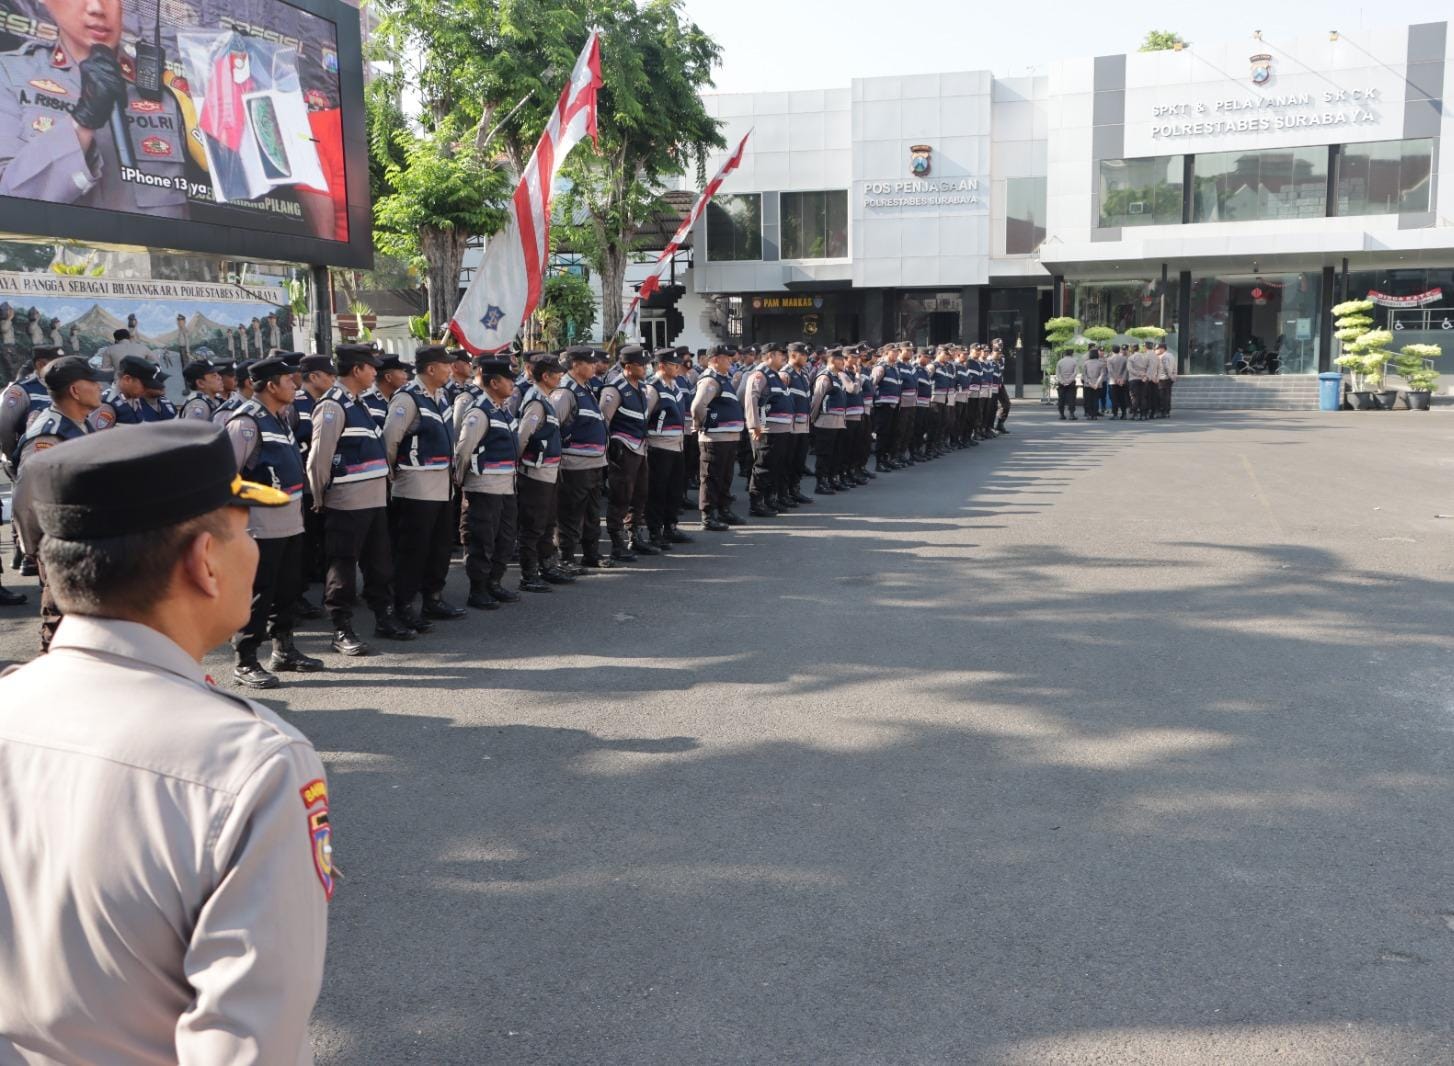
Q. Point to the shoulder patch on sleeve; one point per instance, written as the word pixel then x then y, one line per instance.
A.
pixel 320 833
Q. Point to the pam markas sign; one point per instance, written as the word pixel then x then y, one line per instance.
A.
pixel 788 303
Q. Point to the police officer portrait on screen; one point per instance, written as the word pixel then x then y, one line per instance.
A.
pixel 63 104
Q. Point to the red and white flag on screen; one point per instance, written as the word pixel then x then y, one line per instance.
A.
pixel 653 281
pixel 506 287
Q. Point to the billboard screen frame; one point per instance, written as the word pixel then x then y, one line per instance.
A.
pixel 38 218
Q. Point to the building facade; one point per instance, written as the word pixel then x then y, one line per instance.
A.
pixel 1230 193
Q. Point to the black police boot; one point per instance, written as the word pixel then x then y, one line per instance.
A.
pixel 712 523
pixel 1000 425
pixel 822 488
pixel 286 657
pixel 389 625
pixel 438 607
pixel 556 576
pixel 676 536
pixel 28 567
pixel 303 607
pixel 659 540
pixel 484 601
pixel 533 583
pixel 345 642
pixel 597 562
pixel 641 542
pixel 731 517
pixel 864 474
pixel 758 508
pixel 12 599
pixel 501 593
pixel 621 547
pixel 570 568
pixel 410 617
pixel 250 674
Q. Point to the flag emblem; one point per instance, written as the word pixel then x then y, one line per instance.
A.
pixel 491 318
pixel 1261 69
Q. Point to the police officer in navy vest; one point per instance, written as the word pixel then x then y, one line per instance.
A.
pixel 623 406
pixel 348 475
pixel 74 388
pixel 717 413
pixel 485 455
pixel 800 388
pixel 537 432
pixel 886 386
pixel 582 466
pixel 768 411
pixel 204 384
pixel 22 401
pixel 315 377
pixel 267 453
pixel 393 374
pixel 420 449
pixel 666 418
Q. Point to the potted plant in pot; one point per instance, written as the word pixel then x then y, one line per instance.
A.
pixel 1146 333
pixel 1352 321
pixel 1412 364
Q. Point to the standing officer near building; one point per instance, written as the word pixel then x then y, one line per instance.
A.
pixel 768 410
pixel 1065 373
pixel 166 856
pixel 582 467
pixel 1116 375
pixel 484 469
pixel 800 388
pixel 1143 384
pixel 420 451
pixel 1093 378
pixel 348 478
pixel 666 417
pixel 537 433
pixel 1165 364
pixel 717 414
pixel 885 378
pixel 827 406
pixel 624 406
pixel 908 404
pixel 266 452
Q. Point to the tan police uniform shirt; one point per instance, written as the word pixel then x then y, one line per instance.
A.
pixel 165 861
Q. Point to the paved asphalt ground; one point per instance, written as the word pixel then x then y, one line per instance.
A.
pixel 1112 743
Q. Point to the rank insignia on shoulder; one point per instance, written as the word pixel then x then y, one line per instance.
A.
pixel 320 833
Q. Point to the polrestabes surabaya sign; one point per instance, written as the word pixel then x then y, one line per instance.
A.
pixel 1262 94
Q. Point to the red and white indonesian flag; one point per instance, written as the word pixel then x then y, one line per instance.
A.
pixel 653 281
pixel 506 287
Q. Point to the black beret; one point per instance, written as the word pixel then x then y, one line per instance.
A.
pixel 773 346
pixel 799 346
pixel 459 354
pixel 312 363
pixel 293 360
pixel 192 372
pixel 229 368
pixel 144 370
pixel 393 362
pixel 243 367
pixel 579 354
pixel 635 354
pixel 674 356
pixel 61 373
pixel 602 356
pixel 264 370
pixel 136 479
pixel 433 353
pixel 721 349
pixel 544 363
pixel 46 351
pixel 352 355
pixel 493 366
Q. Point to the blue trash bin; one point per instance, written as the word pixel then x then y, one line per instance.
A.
pixel 1330 391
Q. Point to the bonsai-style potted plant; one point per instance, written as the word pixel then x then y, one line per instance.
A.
pixel 1099 335
pixel 1412 364
pixel 1366 351
pixel 1146 333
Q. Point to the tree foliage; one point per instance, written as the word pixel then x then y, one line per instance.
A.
pixel 1161 41
pixel 567 310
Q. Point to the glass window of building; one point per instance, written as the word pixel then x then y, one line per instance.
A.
pixel 734 228
pixel 1024 215
pixel 1248 186
pixel 1415 304
pixel 815 225
pixel 1384 177
pixel 1140 192
pixel 1129 302
pixel 1265 323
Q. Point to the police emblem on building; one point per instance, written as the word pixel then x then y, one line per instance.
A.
pixel 1261 69
pixel 920 162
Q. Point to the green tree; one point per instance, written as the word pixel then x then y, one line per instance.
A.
pixel 1161 41
pixel 567 309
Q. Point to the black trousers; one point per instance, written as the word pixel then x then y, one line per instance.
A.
pixel 1065 398
pixel 825 452
pixel 313 562
pixel 905 423
pixel 1091 398
pixel 938 424
pixel 275 588
pixel 1163 389
pixel 424 534
pixel 798 458
pixel 691 457
pixel 770 456
pixel 354 541
pixel 489 522
pixel 50 611
pixel 883 429
pixel 858 442
pixel 580 512
pixel 1120 399
pixel 629 487
pixel 1138 397
pixel 717 460
pixel 1002 399
pixel 537 505
pixel 666 480
pixel 744 454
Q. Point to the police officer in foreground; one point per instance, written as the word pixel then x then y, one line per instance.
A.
pixel 166 857
pixel 22 400
pixel 137 395
pixel 204 391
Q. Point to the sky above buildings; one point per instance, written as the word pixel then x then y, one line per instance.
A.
pixel 811 44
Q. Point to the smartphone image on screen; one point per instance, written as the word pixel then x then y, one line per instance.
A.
pixel 268 133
